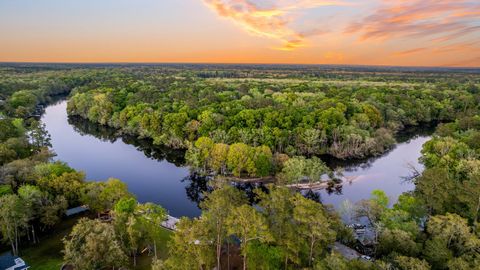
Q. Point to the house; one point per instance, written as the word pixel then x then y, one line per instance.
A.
pixel 76 210
pixel 10 262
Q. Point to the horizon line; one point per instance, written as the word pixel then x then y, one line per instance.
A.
pixel 232 63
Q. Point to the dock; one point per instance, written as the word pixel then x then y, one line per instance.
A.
pixel 170 223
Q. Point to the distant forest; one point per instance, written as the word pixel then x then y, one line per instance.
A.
pixel 248 121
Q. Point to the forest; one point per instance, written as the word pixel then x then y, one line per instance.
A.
pixel 247 121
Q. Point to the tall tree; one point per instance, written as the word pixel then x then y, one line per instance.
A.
pixel 313 224
pixel 191 246
pixel 248 224
pixel 92 245
pixel 277 207
pixel 13 218
pixel 217 207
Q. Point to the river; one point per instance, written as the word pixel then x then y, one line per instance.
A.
pixel 158 175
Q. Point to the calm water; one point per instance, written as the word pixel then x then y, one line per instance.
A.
pixel 389 173
pixel 158 175
pixel 150 179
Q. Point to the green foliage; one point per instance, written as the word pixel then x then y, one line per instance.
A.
pixel 333 261
pixel 92 245
pixel 299 169
pixel 264 257
pixel 313 223
pixel 38 136
pixel 102 196
pixel 23 102
pixel 189 247
pixel 380 198
pixel 68 184
pixel 208 157
pixel 409 263
pixel 126 205
pixel 248 225
pixel 278 207
pixel 13 217
pixel 9 130
pixel 54 169
pixel 449 237
pixel 245 127
pixel 239 159
pixel 301 115
pixel 217 207
pixel 5 190
pixel 397 241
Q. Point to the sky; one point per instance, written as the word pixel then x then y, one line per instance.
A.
pixel 357 32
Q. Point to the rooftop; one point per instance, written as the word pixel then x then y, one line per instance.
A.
pixel 10 262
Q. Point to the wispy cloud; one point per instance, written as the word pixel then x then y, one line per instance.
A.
pixel 271 19
pixel 455 47
pixel 464 63
pixel 440 19
pixel 412 51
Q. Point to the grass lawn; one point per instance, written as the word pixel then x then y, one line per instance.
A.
pixel 47 255
pixel 144 262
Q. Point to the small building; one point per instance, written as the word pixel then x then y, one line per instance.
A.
pixel 76 210
pixel 10 262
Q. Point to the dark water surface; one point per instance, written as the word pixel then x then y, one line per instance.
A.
pixel 158 175
pixel 101 155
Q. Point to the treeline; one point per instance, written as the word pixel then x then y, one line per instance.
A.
pixel 236 159
pixel 294 117
pixel 210 158
pixel 21 92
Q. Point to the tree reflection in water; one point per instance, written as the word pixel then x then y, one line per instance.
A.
pixel 109 134
pixel 198 185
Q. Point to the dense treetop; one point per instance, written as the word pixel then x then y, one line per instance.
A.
pixel 249 121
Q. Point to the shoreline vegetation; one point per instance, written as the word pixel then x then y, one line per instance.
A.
pixel 253 128
pixel 315 186
pixel 269 126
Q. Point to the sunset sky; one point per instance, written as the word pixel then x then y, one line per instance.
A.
pixel 366 32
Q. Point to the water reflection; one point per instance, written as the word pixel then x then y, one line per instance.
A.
pixel 108 134
pixel 196 188
pixel 389 172
pixel 312 195
pixel 159 175
pixel 405 137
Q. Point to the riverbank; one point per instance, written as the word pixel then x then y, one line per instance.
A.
pixel 315 186
pixel 157 176
pixel 47 254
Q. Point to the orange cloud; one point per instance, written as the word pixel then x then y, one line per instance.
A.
pixel 408 52
pixel 469 50
pixel 269 20
pixel 442 19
